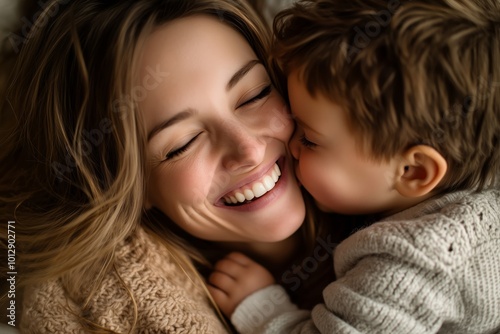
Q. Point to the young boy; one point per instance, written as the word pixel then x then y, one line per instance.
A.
pixel 397 106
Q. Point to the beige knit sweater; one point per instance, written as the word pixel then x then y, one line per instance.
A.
pixel 167 301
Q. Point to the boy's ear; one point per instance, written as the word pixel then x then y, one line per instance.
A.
pixel 420 171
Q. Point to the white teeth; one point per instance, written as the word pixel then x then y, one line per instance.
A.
pixel 249 195
pixel 240 197
pixel 275 176
pixel 269 182
pixel 257 189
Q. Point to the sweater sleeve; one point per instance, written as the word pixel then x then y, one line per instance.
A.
pixel 268 310
pixel 384 294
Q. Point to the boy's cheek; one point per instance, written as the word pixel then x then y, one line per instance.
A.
pixel 308 174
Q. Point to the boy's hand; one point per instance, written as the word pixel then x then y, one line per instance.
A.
pixel 236 277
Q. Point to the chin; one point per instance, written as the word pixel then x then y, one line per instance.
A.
pixel 284 229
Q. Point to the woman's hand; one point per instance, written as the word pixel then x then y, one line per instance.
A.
pixel 236 277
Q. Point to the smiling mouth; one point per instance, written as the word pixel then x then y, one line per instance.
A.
pixel 252 191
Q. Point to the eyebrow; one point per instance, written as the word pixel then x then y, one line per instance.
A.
pixel 241 73
pixel 171 121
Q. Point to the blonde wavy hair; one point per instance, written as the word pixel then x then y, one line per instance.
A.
pixel 72 171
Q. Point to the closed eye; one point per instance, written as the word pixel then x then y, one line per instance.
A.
pixel 307 143
pixel 176 152
pixel 262 94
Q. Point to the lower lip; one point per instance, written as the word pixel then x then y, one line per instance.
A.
pixel 270 196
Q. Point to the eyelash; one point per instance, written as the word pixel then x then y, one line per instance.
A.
pixel 263 93
pixel 306 143
pixel 179 151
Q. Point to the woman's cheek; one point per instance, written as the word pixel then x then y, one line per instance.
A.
pixel 172 185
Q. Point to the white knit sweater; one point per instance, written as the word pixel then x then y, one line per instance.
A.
pixel 434 268
pixel 167 301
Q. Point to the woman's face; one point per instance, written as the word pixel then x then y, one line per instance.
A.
pixel 217 134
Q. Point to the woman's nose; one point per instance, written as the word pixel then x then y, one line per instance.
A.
pixel 246 149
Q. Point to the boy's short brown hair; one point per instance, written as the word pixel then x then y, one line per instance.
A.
pixel 407 73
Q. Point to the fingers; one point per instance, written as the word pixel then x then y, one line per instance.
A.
pixel 239 258
pixel 234 265
pixel 218 295
pixel 234 278
pixel 225 303
pixel 222 281
pixel 237 268
pixel 229 271
pixel 225 282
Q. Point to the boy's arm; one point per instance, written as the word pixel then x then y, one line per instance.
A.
pixel 360 302
pixel 270 310
pixel 246 293
pixel 378 293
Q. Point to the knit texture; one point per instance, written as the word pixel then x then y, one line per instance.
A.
pixel 167 300
pixel 434 268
